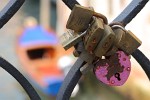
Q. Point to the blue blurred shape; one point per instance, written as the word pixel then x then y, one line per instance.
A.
pixel 37 35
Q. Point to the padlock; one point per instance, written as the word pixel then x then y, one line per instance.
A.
pixel 128 41
pixel 70 39
pixel 106 43
pixel 94 34
pixel 115 70
pixel 80 18
pixel 119 32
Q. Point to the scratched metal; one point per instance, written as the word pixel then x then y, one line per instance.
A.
pixel 115 70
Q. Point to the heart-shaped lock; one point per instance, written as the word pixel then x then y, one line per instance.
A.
pixel 115 70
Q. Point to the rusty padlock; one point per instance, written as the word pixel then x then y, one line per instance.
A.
pixel 126 40
pixel 119 32
pixel 80 18
pixel 129 42
pixel 94 34
pixel 115 70
pixel 106 43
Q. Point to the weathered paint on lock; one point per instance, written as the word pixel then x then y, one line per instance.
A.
pixel 94 34
pixel 80 18
pixel 115 70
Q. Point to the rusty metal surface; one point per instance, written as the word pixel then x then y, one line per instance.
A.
pixel 105 44
pixel 115 70
pixel 9 10
pixel 129 42
pixel 94 34
pixel 80 18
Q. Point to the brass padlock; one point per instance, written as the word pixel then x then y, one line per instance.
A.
pixel 80 18
pixel 70 38
pixel 94 34
pixel 128 42
pixel 119 32
pixel 106 43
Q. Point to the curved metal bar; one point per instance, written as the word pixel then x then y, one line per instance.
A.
pixel 70 80
pixel 9 10
pixel 20 78
pixel 130 11
pixel 143 61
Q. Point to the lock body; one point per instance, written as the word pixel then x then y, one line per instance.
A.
pixel 80 18
pixel 106 42
pixel 94 34
pixel 115 70
pixel 129 42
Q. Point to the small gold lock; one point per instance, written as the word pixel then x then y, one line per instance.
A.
pixel 80 18
pixel 129 42
pixel 106 43
pixel 94 34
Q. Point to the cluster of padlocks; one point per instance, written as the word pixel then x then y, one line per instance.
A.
pixel 109 45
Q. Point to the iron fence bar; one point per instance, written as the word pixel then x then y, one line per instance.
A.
pixel 143 61
pixel 33 95
pixel 70 3
pixel 5 15
pixel 70 80
pixel 130 11
pixel 9 10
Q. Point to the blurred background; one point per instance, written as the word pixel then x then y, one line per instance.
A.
pixel 30 42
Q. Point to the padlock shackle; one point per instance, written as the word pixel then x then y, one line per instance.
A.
pixel 9 10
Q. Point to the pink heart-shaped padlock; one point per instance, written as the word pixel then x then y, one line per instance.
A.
pixel 115 70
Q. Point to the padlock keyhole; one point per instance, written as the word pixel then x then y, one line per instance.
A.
pixel 117 75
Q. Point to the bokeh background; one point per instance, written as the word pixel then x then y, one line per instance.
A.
pixel 53 15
